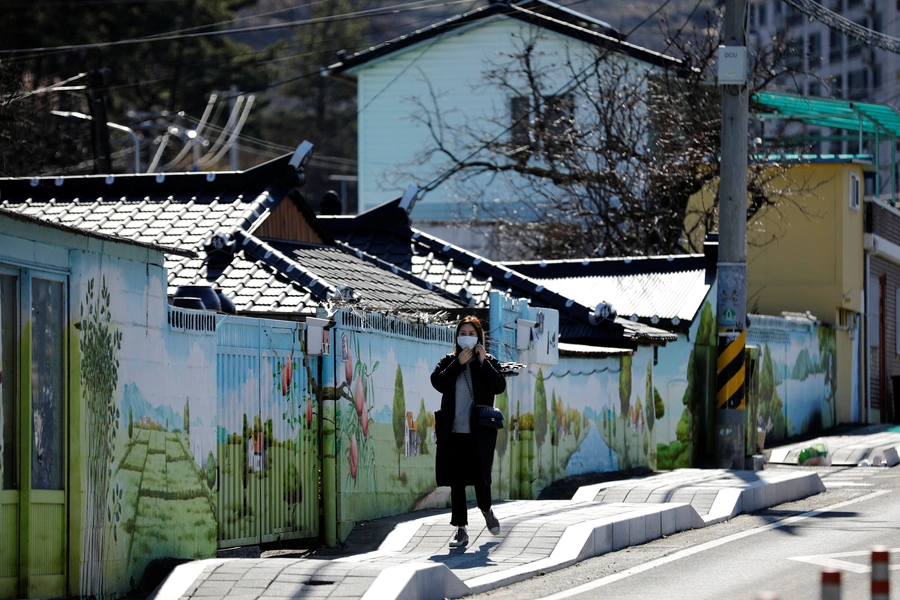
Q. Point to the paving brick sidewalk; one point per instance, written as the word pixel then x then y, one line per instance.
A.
pixel 415 562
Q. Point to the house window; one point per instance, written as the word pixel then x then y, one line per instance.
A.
pixel 9 368
pixel 543 128
pixel 793 53
pixel 854 46
pixel 836 146
pixel 520 117
pixel 835 46
pixel 876 77
pixel 815 147
pixel 814 89
pixel 44 297
pixel 857 84
pixel 47 307
pixel 814 50
pixel 837 86
pixel 762 12
pixel 855 191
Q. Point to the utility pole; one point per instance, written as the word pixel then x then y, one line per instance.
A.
pixel 96 92
pixel 731 279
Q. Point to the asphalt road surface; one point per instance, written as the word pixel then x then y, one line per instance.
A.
pixel 782 550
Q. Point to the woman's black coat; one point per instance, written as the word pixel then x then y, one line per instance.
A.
pixel 486 383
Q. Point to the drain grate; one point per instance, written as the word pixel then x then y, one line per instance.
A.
pixel 319 582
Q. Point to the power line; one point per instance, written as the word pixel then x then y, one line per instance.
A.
pixel 836 22
pixel 400 8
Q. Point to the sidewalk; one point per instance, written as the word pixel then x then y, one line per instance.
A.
pixel 875 445
pixel 415 562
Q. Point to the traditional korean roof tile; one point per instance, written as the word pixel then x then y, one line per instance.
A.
pixel 209 218
pixel 385 231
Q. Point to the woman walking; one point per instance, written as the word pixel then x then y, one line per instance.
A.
pixel 466 377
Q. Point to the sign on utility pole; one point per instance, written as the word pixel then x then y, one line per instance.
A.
pixel 731 279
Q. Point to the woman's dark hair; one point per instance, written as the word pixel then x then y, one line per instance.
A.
pixel 474 322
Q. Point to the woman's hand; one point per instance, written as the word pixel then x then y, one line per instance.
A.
pixel 480 352
pixel 466 355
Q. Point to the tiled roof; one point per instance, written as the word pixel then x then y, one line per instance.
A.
pixel 180 210
pixel 384 231
pixel 663 290
pixel 538 13
pixel 187 210
pixel 17 216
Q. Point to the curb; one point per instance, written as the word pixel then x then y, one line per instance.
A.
pixel 417 581
pixel 594 538
pixel 730 502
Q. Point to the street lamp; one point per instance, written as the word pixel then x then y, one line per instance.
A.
pixel 66 114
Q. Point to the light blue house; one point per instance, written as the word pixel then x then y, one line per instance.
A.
pixel 443 67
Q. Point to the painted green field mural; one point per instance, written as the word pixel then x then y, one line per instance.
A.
pixel 164 501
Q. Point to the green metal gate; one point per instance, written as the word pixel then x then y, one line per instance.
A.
pixel 267 434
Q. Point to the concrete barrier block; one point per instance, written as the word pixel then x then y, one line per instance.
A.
pixel 603 539
pixel 637 532
pixel 654 526
pixel 621 535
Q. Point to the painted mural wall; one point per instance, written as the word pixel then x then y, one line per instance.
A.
pixel 797 375
pixel 384 413
pixel 148 401
pixel 580 415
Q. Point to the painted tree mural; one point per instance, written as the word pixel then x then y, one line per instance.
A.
pixel 422 427
pixel 540 416
pixel 625 405
pixel 678 454
pixel 399 418
pixel 100 343
pixel 828 365
pixel 770 404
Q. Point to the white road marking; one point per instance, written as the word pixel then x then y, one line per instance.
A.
pixel 593 585
pixel 830 561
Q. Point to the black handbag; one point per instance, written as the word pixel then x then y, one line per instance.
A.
pixel 487 416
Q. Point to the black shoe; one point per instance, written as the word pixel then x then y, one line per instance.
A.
pixel 491 521
pixel 460 540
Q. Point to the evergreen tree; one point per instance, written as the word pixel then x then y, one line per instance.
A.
pixel 422 427
pixel 399 416
pixel 540 415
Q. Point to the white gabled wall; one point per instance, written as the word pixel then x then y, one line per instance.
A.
pixel 454 64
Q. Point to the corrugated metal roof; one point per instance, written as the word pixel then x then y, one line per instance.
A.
pixel 662 295
pixel 660 290
pixel 882 119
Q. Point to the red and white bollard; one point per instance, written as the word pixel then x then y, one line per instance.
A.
pixel 881 583
pixel 831 585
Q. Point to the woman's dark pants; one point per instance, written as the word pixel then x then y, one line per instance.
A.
pixel 466 471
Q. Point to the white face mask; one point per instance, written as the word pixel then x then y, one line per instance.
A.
pixel 467 341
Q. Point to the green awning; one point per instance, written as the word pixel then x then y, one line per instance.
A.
pixel 877 119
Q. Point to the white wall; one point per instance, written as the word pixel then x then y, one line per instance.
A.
pixel 389 140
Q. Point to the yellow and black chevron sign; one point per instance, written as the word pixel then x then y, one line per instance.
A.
pixel 730 371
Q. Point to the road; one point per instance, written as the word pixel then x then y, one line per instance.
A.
pixel 782 550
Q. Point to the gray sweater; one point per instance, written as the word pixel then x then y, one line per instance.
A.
pixel 461 421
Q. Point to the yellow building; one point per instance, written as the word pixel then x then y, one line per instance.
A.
pixel 807 255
